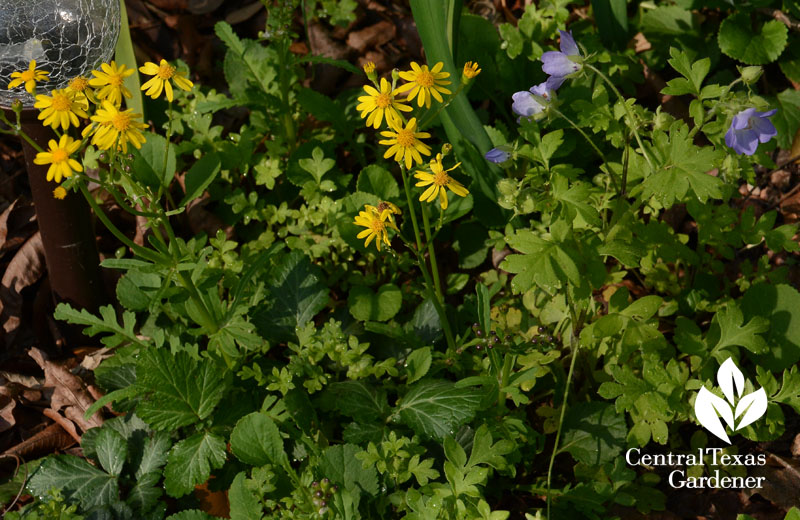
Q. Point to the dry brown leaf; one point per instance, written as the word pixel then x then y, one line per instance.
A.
pixel 212 502
pixel 62 421
pixel 24 269
pixel 4 222
pixel 372 36
pixel 7 420
pixel 52 438
pixel 781 483
pixel 69 392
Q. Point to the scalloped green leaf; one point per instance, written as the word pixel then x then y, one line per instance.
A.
pixel 738 40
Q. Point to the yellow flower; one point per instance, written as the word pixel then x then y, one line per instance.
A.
pixel 61 109
pixel 162 73
pixel 471 69
pixel 425 83
pixel 391 208
pixel 374 105
pixel 369 68
pixel 80 85
pixel 58 157
pixel 59 193
pixel 438 182
pixel 117 126
pixel 110 80
pixel 405 142
pixel 29 77
pixel 376 223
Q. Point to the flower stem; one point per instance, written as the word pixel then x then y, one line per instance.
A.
pixel 432 254
pixel 448 334
pixel 628 111
pixel 411 207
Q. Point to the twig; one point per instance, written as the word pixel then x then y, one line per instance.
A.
pixel 782 17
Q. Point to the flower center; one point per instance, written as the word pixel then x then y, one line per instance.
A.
pixel 28 75
pixel 60 155
pixel 383 100
pixel 61 103
pixel 115 80
pixel 377 225
pixel 405 138
pixel 440 178
pixel 79 84
pixel 121 122
pixel 425 79
pixel 165 71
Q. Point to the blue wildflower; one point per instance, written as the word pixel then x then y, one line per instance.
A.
pixel 528 103
pixel 748 128
pixel 561 65
pixel 498 155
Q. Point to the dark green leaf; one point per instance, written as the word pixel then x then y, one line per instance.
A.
pixel 366 305
pixel 256 440
pixel 738 40
pixel 76 479
pixel 378 181
pixel 244 503
pixel 200 176
pixel 593 432
pixel 340 465
pixel 190 462
pixel 436 408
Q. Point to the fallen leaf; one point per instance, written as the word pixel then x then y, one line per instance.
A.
pixel 7 420
pixel 52 438
pixel 24 269
pixel 781 483
pixel 372 36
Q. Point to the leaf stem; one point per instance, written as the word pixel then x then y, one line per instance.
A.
pixel 432 253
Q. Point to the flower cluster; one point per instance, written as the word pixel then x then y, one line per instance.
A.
pixel 99 101
pixel 386 102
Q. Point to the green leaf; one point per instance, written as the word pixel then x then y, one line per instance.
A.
pixel 107 323
pixel 669 20
pixel 144 495
pixel 682 169
pixel 436 408
pixel 190 462
pixel 244 503
pixel 366 305
pixel 326 109
pixel 298 295
pixel 611 17
pixel 738 40
pixel 575 200
pixel 340 465
pixel 76 479
pixel 181 390
pixel 256 440
pixel 317 165
pixel 136 290
pixel 378 181
pixel 546 263
pixel 418 363
pixel 780 306
pixel 148 162
pixel 111 450
pixel 512 40
pixel 593 433
pixel 735 333
pixel 124 55
pixel 200 176
pixel 192 514
pixel 787 119
pixel 357 400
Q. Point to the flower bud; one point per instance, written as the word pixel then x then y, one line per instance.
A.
pixel 470 71
pixel 750 74
pixel 447 148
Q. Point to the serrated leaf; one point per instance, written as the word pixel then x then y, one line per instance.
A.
pixel 153 455
pixel 546 263
pixel 358 400
pixel 180 389
pixel 144 495
pixel 436 408
pixel 191 514
pixel 298 295
pixel 107 323
pixel 734 332
pixel 244 503
pixel 111 450
pixel 256 440
pixel 76 479
pixel 340 465
pixel 737 39
pixel 190 462
pixel 149 164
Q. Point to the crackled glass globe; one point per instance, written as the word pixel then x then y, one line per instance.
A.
pixel 67 38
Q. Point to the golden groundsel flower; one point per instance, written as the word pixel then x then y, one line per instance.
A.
pixel 59 193
pixel 61 109
pixel 471 69
pixel 404 143
pixel 58 157
pixel 439 182
pixel 117 126
pixel 110 82
pixel 28 77
pixel 425 83
pixel 80 85
pixel 376 104
pixel 376 221
pixel 162 74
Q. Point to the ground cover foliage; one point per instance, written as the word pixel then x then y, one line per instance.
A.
pixel 468 307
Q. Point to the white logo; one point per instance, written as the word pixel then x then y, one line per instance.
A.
pixel 709 408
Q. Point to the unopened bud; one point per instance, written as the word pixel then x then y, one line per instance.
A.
pixel 750 74
pixel 447 148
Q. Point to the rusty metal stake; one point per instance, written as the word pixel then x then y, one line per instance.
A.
pixel 70 250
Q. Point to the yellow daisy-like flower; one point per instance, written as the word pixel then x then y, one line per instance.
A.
pixel 391 208
pixel 377 103
pixel 58 157
pixel 80 85
pixel 438 182
pixel 404 143
pixel 162 73
pixel 28 77
pixel 117 126
pixel 61 109
pixel 369 67
pixel 110 81
pixel 471 69
pixel 425 83
pixel 376 223
pixel 59 193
